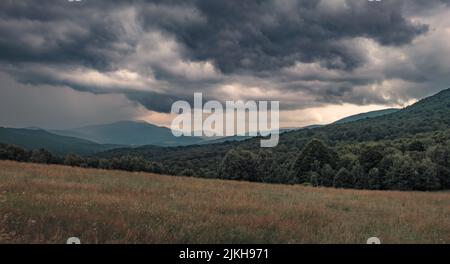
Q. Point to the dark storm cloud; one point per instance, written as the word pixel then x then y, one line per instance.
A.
pixel 236 35
pixel 268 35
pixel 247 42
pixel 58 32
pixel 157 102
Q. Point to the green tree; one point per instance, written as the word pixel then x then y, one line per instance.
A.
pixel 73 160
pixel 41 156
pixel 104 164
pixel 155 167
pixel 188 172
pixel 440 155
pixel 12 152
pixel 314 179
pixel 311 159
pixel 443 174
pixel 347 161
pixel 239 165
pixel 370 157
pixel 399 174
pixel 375 179
pixel 326 176
pixel 266 172
pixel 344 179
pixel 361 177
pixel 425 177
pixel 416 146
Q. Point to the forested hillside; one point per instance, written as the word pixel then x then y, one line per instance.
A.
pixel 371 151
pixel 405 150
pixel 367 115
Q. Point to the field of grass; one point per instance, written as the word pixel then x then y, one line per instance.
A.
pixel 48 204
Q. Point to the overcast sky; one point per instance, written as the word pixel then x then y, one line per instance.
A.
pixel 66 64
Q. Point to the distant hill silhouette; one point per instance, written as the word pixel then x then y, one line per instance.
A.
pixel 135 133
pixel 60 145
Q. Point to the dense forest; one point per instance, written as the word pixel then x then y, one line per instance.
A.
pixel 408 149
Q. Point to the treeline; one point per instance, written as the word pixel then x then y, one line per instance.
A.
pixel 373 167
pixel 391 165
pixel 406 150
pixel 126 163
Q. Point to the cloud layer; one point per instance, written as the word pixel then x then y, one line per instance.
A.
pixel 306 54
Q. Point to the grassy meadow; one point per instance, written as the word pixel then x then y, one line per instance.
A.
pixel 48 204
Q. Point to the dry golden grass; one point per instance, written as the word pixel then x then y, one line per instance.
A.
pixel 48 204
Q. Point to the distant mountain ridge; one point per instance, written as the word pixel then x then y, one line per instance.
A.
pixel 133 133
pixel 59 145
pixel 141 133
pixel 429 116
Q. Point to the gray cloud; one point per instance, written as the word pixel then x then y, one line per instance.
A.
pixel 268 35
pixel 304 53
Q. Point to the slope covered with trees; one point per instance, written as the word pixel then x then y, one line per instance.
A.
pixel 405 150
pixel 367 115
pixel 371 150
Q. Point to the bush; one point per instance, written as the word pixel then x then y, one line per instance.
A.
pixel 41 156
pixel 73 160
pixel 11 152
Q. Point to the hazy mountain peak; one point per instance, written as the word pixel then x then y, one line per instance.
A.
pixel 130 132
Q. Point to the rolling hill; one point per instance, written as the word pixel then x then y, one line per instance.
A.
pixel 371 114
pixel 59 145
pixel 427 120
pixel 404 150
pixel 133 133
pixel 141 133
